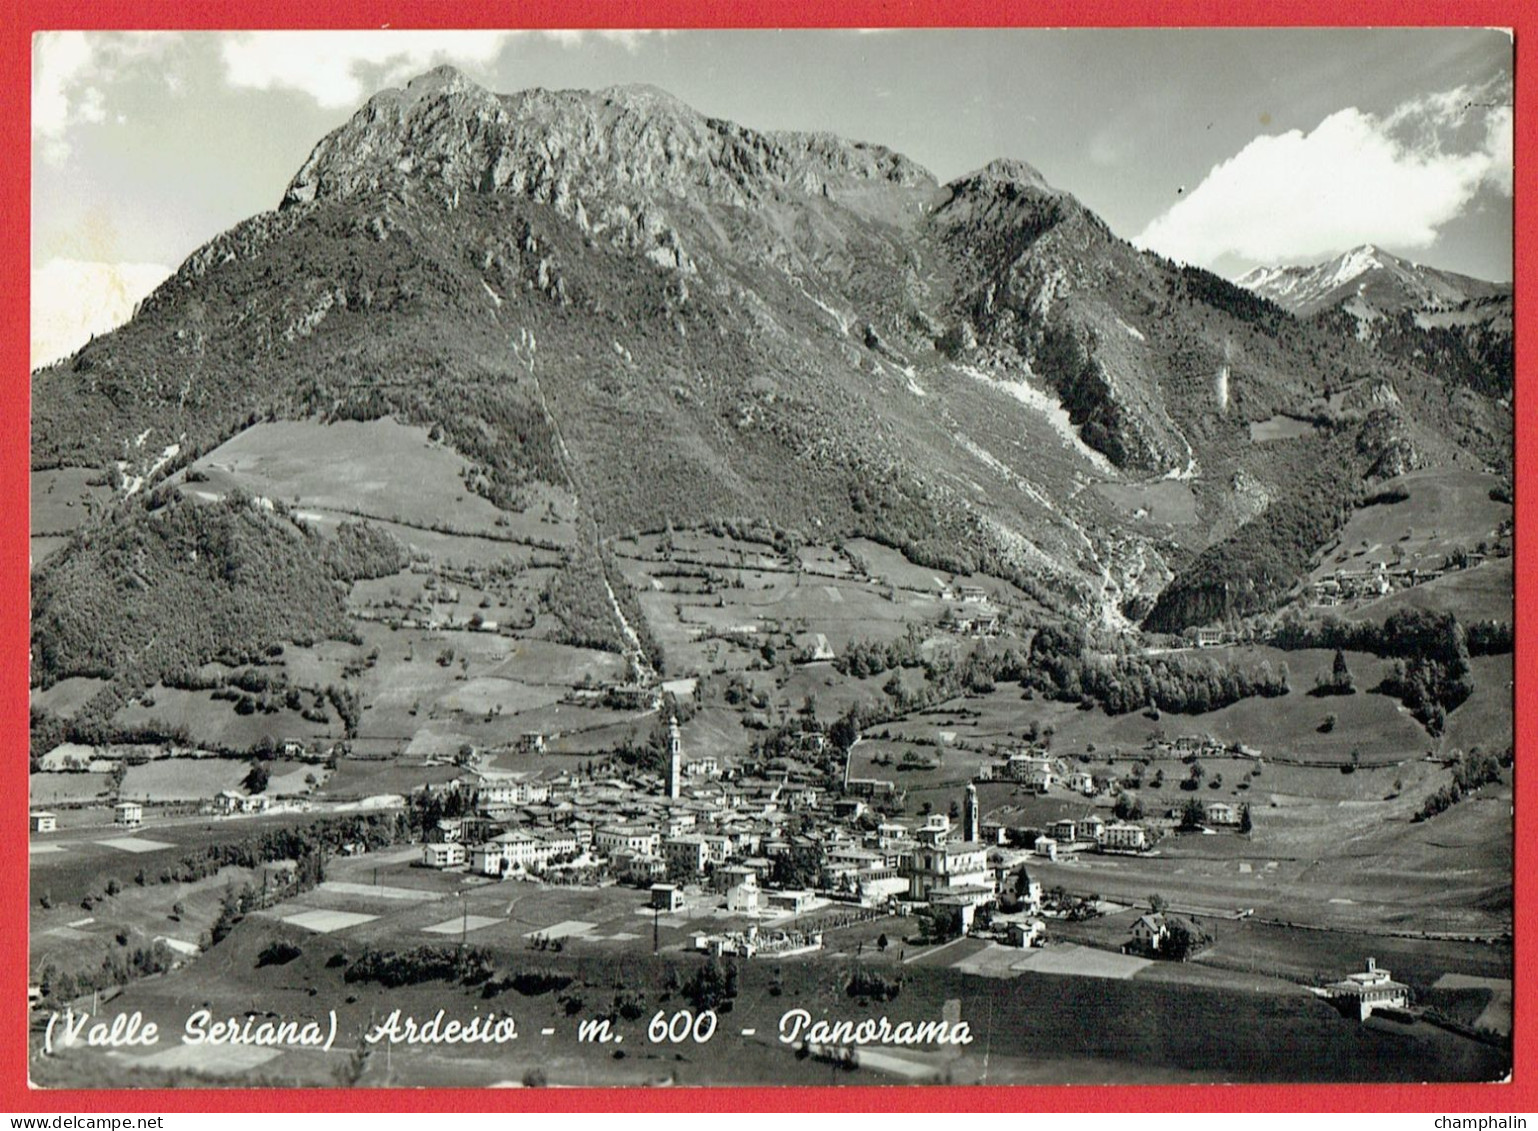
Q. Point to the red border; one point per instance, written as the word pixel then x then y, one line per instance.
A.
pixel 23 17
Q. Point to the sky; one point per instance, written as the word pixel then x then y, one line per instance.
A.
pixel 1223 148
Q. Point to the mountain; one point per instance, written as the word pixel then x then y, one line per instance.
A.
pixel 644 317
pixel 1451 325
pixel 1370 283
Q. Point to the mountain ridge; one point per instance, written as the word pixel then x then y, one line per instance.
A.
pixel 809 333
pixel 1379 282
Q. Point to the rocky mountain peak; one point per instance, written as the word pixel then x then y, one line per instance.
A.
pixel 444 131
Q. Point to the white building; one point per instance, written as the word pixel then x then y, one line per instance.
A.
pixel 1126 837
pixel 745 897
pixel 445 854
pixel 638 839
pixel 500 790
pixel 1372 989
pixel 43 822
pixel 947 865
pixel 129 813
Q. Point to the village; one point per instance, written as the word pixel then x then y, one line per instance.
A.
pixel 761 855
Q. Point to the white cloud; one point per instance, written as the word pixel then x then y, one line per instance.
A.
pixel 626 38
pixel 339 68
pixel 59 60
pixel 71 72
pixel 73 300
pixel 1355 178
pixel 328 65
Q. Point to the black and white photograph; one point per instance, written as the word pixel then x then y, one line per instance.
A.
pixel 741 558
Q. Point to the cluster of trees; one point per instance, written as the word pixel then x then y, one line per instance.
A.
pixel 873 986
pixel 1477 355
pixel 1430 688
pixel 1404 632
pixel 577 595
pixel 279 952
pixel 1338 682
pixel 391 968
pixel 348 704
pixel 307 844
pixel 1201 285
pixel 800 867
pixel 360 551
pixel 712 986
pixel 118 968
pixel 1064 664
pixel 1064 668
pixel 150 593
pixel 865 658
pixel 428 806
pixel 1430 672
pixel 1470 771
pixel 889 507
pixel 93 727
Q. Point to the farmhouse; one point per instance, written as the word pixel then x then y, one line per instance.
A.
pixel 1209 637
pixel 1221 813
pixel 43 822
pixel 1025 932
pixel 1372 989
pixel 1149 933
pixel 229 801
pixel 129 813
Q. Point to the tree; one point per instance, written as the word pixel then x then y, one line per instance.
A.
pixel 1185 938
pixel 1192 815
pixel 882 943
pixel 1340 674
pixel 1328 725
pixel 1245 824
pixel 1128 807
pixel 256 780
pixel 1158 904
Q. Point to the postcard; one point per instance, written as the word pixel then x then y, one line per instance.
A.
pixel 743 558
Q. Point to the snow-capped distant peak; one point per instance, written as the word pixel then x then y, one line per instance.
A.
pixel 1357 261
pixel 1371 280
